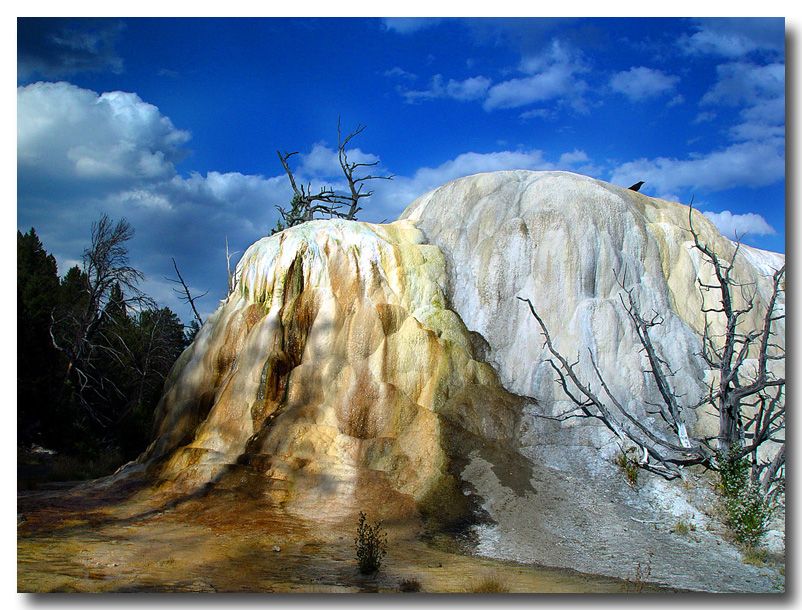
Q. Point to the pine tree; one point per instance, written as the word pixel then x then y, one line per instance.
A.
pixel 37 361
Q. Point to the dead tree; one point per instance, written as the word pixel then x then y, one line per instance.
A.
pixel 307 204
pixel 355 183
pixel 184 294
pixel 661 451
pixel 750 404
pixel 75 331
pixel 737 386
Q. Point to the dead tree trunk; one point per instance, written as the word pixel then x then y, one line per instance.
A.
pixel 669 451
pixel 734 385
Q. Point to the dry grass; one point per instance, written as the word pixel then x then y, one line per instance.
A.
pixel 643 570
pixel 409 585
pixel 683 528
pixel 489 584
pixel 755 556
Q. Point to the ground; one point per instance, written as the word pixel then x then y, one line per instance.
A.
pixel 127 538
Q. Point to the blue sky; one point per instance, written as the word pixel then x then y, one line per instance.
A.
pixel 174 123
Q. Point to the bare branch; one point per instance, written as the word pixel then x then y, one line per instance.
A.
pixel 186 297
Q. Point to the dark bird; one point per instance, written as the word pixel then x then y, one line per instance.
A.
pixel 636 186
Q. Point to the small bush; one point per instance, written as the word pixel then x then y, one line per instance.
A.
pixel 747 512
pixel 409 585
pixel 371 545
pixel 683 528
pixel 629 465
pixel 755 557
pixel 490 584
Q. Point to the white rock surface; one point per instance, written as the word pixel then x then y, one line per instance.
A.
pixel 564 241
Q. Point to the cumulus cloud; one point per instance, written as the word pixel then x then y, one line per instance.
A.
pixel 70 135
pixel 54 48
pixel 704 117
pixel 738 225
pixel 642 83
pixel 759 92
pixel 729 167
pixel 398 72
pixel 676 100
pixel 538 113
pixel 734 37
pixel 573 157
pixel 551 75
pixel 746 83
pixel 547 76
pixel 81 154
pixel 755 155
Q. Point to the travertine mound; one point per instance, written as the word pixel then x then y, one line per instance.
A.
pixel 567 242
pixel 391 368
pixel 337 375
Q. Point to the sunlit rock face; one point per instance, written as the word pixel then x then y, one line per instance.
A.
pixel 568 243
pixel 334 377
pixel 392 367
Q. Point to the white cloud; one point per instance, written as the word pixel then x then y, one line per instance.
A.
pixel 704 117
pixel 469 89
pixel 755 155
pixel 472 88
pixel 642 83
pixel 676 100
pixel 575 156
pixel 746 83
pixel 738 225
pixel 398 72
pixel 734 37
pixel 553 74
pixel 751 164
pixel 71 133
pixel 538 113
pixel 81 154
pixel 759 91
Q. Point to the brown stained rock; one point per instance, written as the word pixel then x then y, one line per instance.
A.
pixel 332 365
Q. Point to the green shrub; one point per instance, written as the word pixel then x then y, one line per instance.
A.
pixel 746 510
pixel 371 545
pixel 629 466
